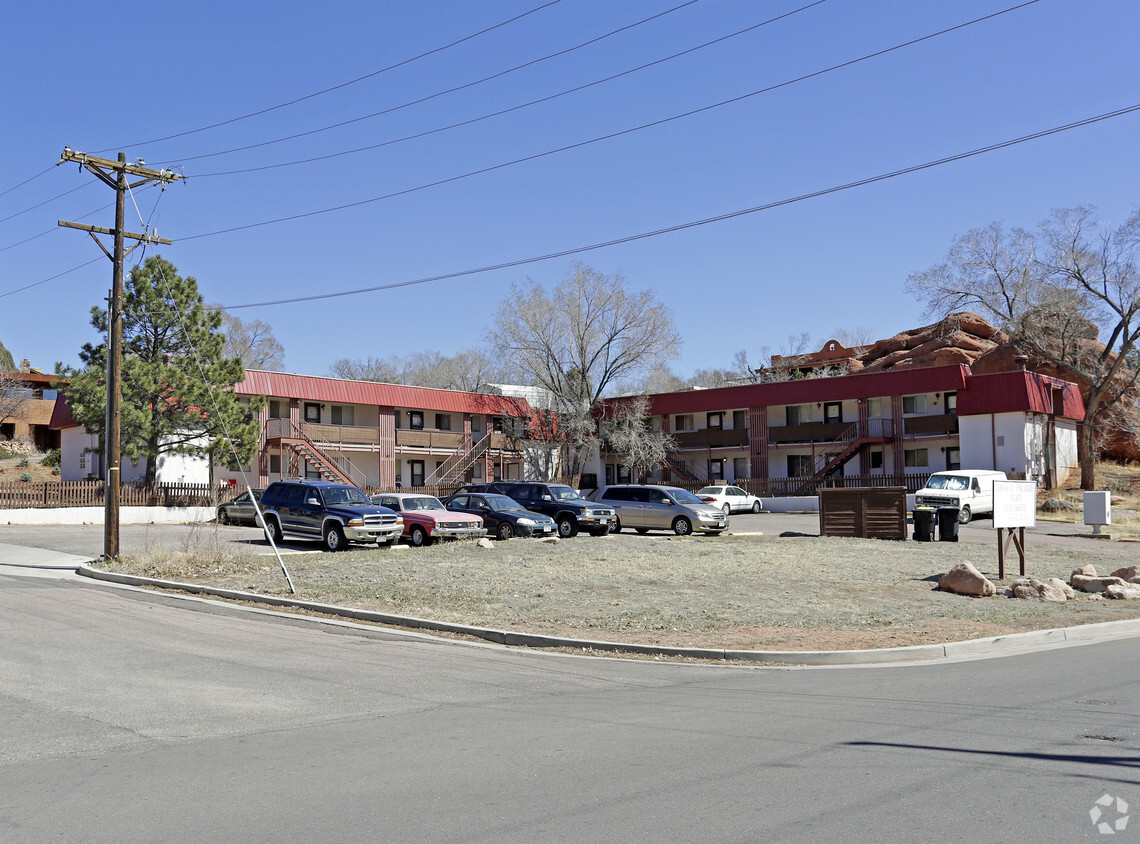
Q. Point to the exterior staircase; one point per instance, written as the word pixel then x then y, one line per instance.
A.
pixel 679 468
pixel 455 467
pixel 840 450
pixel 316 452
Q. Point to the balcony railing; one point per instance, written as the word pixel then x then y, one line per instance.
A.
pixel 944 423
pixel 826 432
pixel 712 438
pixel 429 438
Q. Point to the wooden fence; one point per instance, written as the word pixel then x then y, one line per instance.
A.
pixel 17 494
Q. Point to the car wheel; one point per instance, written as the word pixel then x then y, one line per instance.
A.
pixel 334 538
pixel 567 527
pixel 616 526
pixel 727 508
pixel 755 506
pixel 273 530
pixel 642 530
pixel 223 516
pixel 418 537
pixel 682 526
pixel 601 531
pixel 504 531
pixel 964 515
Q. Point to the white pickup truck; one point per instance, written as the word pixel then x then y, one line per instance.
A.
pixel 970 490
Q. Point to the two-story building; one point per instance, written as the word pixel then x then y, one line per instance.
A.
pixel 897 423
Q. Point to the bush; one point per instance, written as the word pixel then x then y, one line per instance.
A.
pixel 51 458
pixel 25 478
pixel 23 464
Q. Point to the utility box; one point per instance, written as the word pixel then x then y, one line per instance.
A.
pixel 865 512
pixel 1098 508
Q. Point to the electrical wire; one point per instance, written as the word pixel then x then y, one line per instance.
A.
pixel 339 86
pixel 607 137
pixel 473 83
pixel 696 223
pixel 45 202
pixel 29 179
pixel 493 114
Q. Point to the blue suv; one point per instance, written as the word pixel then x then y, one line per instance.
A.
pixel 336 514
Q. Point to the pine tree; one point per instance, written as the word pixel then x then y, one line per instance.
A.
pixel 177 387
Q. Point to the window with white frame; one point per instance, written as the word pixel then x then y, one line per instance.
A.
pixel 875 459
pixel 916 457
pixel 715 421
pixel 914 404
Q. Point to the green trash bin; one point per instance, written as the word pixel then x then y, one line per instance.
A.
pixel 923 524
pixel 948 524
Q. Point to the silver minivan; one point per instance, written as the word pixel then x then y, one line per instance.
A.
pixel 650 507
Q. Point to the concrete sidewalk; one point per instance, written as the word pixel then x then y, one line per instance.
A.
pixel 39 558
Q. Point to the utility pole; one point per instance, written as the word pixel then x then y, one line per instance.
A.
pixel 114 174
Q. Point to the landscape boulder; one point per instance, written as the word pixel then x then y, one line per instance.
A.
pixel 1062 585
pixel 1123 591
pixel 1032 589
pixel 1087 583
pixel 964 579
pixel 1129 573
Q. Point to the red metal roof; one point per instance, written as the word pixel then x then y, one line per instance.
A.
pixel 61 416
pixel 1025 392
pixel 837 388
pixel 286 385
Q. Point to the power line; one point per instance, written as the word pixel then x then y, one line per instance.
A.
pixel 45 202
pixel 474 120
pixel 29 179
pixel 337 87
pixel 696 223
pixel 473 83
pixel 607 137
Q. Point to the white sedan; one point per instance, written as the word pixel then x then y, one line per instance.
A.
pixel 731 499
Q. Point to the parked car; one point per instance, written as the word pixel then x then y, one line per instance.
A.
pixel 503 516
pixel 731 499
pixel 336 514
pixel 240 510
pixel 970 490
pixel 426 519
pixel 646 507
pixel 562 503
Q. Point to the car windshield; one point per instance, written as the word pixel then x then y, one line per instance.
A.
pixel 710 490
pixel 564 493
pixel 501 502
pixel 683 496
pixel 344 495
pixel 421 502
pixel 948 482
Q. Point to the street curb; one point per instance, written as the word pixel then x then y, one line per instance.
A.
pixel 880 656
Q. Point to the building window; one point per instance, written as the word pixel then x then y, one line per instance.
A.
pixel 623 476
pixel 417 469
pixel 953 459
pixel 609 474
pixel 833 411
pixel 799 465
pixel 312 472
pixel 684 422
pixel 875 459
pixel 914 457
pixel 716 469
pixel 951 403
pixel 278 409
pixel 312 412
pixel 874 408
pixel 342 415
pixel 914 404
pixel 497 425
pixel 797 414
pixel 715 421
pixel 739 419
pixel 416 420
pixel 740 468
pixel 275 464
pixel 443 421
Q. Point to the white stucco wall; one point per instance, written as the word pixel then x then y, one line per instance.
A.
pixel 78 464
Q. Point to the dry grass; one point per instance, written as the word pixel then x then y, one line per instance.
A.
pixel 734 591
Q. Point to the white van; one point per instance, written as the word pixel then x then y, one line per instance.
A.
pixel 970 490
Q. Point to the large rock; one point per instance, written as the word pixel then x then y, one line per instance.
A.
pixel 1062 585
pixel 1094 584
pixel 1036 590
pixel 1087 570
pixel 964 579
pixel 1123 591
pixel 1129 573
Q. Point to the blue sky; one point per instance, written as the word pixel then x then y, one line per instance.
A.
pixel 132 74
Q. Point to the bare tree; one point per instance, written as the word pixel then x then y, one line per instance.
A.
pixel 1055 292
pixel 14 394
pixel 628 434
pixel 470 370
pixel 581 338
pixel 253 342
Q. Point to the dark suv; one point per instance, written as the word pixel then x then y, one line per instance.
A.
pixel 562 503
pixel 336 514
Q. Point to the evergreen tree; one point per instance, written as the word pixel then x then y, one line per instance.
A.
pixel 177 387
pixel 6 362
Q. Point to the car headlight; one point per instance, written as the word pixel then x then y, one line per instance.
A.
pixel 525 521
pixel 399 520
pixel 357 522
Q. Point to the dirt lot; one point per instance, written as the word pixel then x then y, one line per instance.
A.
pixel 739 592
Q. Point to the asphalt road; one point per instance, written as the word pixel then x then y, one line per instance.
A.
pixel 132 717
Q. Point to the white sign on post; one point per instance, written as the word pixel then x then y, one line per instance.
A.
pixel 1015 504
